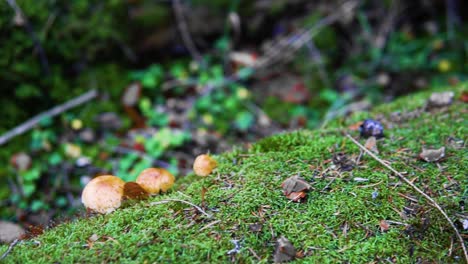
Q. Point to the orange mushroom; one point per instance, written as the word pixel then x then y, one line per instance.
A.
pixel 204 165
pixel 155 180
pixel 103 194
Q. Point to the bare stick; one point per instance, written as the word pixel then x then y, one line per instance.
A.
pixel 210 225
pixel 403 178
pixel 50 113
pixel 32 34
pixel 12 245
pixel 184 32
pixel 185 202
pixel 255 254
pixel 302 37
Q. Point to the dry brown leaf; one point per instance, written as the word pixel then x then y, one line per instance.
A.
pixel 284 251
pixel 384 226
pixel 432 155
pixel 295 188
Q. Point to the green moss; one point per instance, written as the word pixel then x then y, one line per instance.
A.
pixel 338 222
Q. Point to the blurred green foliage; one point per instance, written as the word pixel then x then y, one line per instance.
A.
pixel 84 42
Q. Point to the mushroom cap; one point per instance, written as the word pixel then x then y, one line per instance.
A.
pixel 155 180
pixel 103 194
pixel 204 165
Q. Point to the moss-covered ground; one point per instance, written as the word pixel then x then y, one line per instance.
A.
pixel 341 220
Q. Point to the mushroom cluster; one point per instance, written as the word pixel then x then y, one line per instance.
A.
pixel 104 194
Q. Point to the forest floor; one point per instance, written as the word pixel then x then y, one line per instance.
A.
pixel 356 209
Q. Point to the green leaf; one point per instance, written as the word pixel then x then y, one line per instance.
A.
pixel 31 175
pixel 222 44
pixel 244 120
pixel 55 159
pixel 61 201
pixel 126 162
pixel 28 189
pixel 26 91
pixel 46 121
pixel 245 73
pixel 36 205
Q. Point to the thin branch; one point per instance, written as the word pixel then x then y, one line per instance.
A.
pixel 50 113
pixel 403 178
pixel 297 40
pixel 12 245
pixel 32 35
pixel 184 32
pixel 185 202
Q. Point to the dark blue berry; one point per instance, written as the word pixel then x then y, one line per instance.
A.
pixel 371 128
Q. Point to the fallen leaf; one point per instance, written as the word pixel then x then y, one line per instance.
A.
pixel 236 249
pixel 371 144
pixel 10 231
pixel 284 251
pixel 72 150
pixel 295 188
pixel 465 224
pixel 431 155
pixel 355 126
pixel 257 227
pixel 464 97
pixel 296 196
pixel 131 94
pixel 341 160
pixel 455 143
pixel 384 226
pixel 93 238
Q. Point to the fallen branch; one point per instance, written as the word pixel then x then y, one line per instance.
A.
pixel 184 31
pixel 182 201
pixel 403 178
pixel 50 113
pixel 297 40
pixel 12 245
pixel 37 44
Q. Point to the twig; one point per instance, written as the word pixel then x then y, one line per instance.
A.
pixel 184 32
pixel 297 40
pixel 210 225
pixel 182 201
pixel 12 245
pixel 32 35
pixel 50 113
pixel 403 178
pixel 255 254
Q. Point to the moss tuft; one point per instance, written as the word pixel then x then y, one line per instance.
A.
pixel 341 221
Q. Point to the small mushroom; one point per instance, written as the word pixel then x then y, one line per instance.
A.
pixel 155 180
pixel 103 194
pixel 204 165
pixel 371 128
